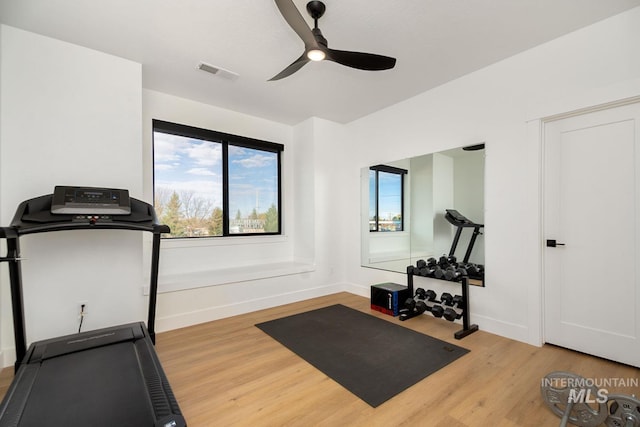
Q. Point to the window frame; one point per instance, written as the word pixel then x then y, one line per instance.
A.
pixel 393 170
pixel 225 139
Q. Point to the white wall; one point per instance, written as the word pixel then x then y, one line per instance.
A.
pixel 330 202
pixel 233 272
pixel 469 200
pixel 443 191
pixel 76 121
pixel 421 182
pixel 500 105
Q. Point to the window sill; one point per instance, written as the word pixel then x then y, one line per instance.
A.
pixel 222 276
pixel 168 244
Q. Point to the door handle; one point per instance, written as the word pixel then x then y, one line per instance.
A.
pixel 551 243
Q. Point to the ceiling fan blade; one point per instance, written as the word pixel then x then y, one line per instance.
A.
pixel 292 15
pixel 292 68
pixel 361 61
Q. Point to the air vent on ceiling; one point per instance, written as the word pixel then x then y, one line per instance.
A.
pixel 218 71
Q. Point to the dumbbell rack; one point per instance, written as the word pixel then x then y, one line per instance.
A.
pixel 467 328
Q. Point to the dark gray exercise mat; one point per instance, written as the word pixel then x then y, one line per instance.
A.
pixel 372 358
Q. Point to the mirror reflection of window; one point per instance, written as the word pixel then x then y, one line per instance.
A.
pixel 389 202
pixel 373 200
pixel 386 198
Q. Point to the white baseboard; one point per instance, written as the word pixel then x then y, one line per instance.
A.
pixel 509 330
pixel 219 312
pixel 363 291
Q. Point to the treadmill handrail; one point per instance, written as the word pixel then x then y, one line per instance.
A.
pixel 34 216
pixel 8 233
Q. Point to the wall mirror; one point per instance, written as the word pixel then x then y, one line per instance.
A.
pixel 416 208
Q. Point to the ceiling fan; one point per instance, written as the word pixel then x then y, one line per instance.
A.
pixel 315 45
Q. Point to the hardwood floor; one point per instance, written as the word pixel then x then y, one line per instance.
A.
pixel 230 373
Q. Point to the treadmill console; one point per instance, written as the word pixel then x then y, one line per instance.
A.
pixel 456 216
pixel 93 201
pixel 91 219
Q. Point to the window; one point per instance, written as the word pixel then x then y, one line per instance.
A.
pixel 386 198
pixel 209 183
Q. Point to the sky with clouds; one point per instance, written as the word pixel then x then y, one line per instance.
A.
pixel 192 165
pixel 389 198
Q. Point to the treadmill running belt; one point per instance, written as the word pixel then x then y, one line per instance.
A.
pixel 103 377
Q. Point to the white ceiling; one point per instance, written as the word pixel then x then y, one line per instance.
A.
pixel 434 41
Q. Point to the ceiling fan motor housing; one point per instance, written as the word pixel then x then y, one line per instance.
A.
pixel 319 37
pixel 316 9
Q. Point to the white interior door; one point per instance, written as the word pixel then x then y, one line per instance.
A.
pixel 592 196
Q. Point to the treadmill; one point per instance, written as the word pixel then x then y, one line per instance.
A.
pixel 106 377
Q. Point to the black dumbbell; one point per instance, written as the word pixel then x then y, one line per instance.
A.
pixel 449 272
pixel 420 293
pixel 432 262
pixel 430 271
pixel 448 260
pixel 438 272
pixel 437 310
pixel 471 268
pixel 474 270
pixel 426 271
pixel 451 314
pixel 446 298
pixel 421 263
pixel 430 295
pixel 421 307
pixel 462 271
pixel 410 304
pixel 458 301
pixel 455 274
